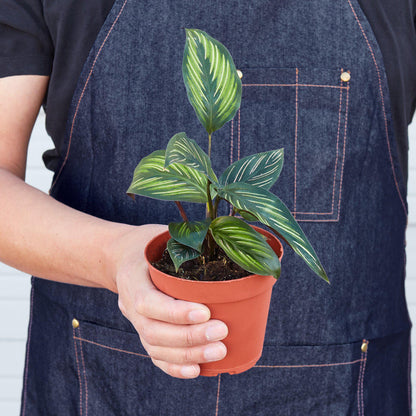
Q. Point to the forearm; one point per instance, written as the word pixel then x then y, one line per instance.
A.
pixel 48 239
pixel 43 237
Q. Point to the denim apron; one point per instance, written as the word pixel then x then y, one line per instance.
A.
pixel 314 83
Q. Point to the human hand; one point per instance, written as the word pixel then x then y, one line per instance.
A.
pixel 177 335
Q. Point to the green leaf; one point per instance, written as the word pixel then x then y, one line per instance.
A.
pixel 260 169
pixel 247 215
pixel 245 246
pixel 187 152
pixel 271 211
pixel 211 80
pixel 175 183
pixel 180 253
pixel 191 234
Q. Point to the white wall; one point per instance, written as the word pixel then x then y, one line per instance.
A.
pixel 15 286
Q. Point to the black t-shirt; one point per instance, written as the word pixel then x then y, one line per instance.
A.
pixel 53 37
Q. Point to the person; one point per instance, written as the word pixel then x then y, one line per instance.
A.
pixel 333 82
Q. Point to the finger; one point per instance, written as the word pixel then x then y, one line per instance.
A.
pixel 178 371
pixel 169 335
pixel 154 304
pixel 195 355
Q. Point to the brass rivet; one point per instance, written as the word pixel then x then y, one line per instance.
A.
pixel 345 76
pixel 239 73
pixel 364 346
pixel 75 323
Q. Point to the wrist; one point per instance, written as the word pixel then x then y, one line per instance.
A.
pixel 112 250
pixel 125 246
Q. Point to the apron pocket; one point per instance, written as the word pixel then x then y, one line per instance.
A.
pixel 300 380
pixel 304 110
pixel 117 378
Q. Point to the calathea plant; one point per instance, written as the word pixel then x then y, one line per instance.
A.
pixel 183 172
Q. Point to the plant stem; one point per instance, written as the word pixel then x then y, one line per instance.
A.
pixel 181 211
pixel 211 244
pixel 209 145
pixel 210 207
pixel 217 200
pixel 210 210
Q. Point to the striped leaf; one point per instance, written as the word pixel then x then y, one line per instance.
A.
pixel 211 80
pixel 175 183
pixel 260 169
pixel 271 211
pixel 245 246
pixel 247 216
pixel 186 151
pixel 180 253
pixel 191 234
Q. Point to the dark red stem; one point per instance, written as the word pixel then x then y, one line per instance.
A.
pixel 182 211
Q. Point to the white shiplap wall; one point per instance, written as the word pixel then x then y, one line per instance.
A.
pixel 15 286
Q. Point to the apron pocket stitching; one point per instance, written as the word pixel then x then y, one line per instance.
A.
pixel 336 159
pixel 79 373
pixel 296 137
pixel 218 395
pixel 85 374
pixel 360 384
pixel 347 88
pixel 110 348
pixel 294 85
pixel 310 365
pixel 333 212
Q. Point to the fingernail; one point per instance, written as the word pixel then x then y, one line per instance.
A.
pixel 216 332
pixel 198 315
pixel 215 353
pixel 189 371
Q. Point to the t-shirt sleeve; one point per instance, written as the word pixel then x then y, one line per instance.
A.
pixel 26 47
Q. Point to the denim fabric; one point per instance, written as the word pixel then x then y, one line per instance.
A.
pixel 341 180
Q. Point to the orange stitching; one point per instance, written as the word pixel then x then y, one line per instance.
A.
pixel 314 213
pixel 308 365
pixel 318 220
pixel 336 163
pixel 343 154
pixel 296 137
pixel 383 107
pixel 362 380
pixel 218 395
pixel 336 158
pixel 111 348
pixel 79 374
pixel 27 351
pixel 85 375
pixel 358 386
pixel 297 85
pixel 294 85
pixel 82 95
pixel 360 397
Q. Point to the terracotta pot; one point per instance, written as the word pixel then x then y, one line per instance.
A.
pixel 243 304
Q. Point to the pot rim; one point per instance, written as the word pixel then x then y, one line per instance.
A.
pixel 213 291
pixel 266 233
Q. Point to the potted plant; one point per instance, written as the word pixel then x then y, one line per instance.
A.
pixel 199 251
